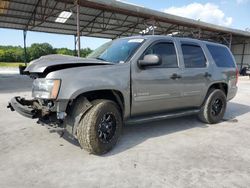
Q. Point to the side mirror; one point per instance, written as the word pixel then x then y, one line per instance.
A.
pixel 150 60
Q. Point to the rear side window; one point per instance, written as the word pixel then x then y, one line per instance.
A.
pixel 221 56
pixel 167 53
pixel 193 56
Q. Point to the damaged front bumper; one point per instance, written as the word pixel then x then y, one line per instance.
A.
pixel 24 107
pixel 48 112
pixel 34 109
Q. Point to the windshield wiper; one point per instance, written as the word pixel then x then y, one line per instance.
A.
pixel 99 58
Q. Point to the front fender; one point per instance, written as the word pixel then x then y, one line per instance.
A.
pixel 76 81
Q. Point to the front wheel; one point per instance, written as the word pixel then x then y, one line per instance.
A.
pixel 100 128
pixel 214 107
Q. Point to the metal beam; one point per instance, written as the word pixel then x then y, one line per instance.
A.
pixel 92 21
pixel 24 46
pixel 78 28
pixel 199 34
pixel 33 15
pixel 112 29
pixel 55 29
pixel 75 52
pixel 23 18
pixel 121 9
pixel 242 56
pixel 230 41
pixel 132 26
pixel 52 13
pixel 59 10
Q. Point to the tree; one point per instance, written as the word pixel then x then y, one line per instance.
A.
pixel 64 51
pixel 11 54
pixel 84 52
pixel 37 50
pixel 8 56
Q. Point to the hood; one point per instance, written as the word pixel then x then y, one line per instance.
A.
pixel 49 63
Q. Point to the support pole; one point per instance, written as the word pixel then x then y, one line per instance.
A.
pixel 78 28
pixel 242 56
pixel 75 52
pixel 153 28
pixel 199 33
pixel 24 46
pixel 230 41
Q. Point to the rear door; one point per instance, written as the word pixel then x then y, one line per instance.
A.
pixel 155 89
pixel 196 74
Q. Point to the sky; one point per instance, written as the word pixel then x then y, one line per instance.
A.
pixel 230 13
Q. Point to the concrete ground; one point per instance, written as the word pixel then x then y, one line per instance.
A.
pixel 173 153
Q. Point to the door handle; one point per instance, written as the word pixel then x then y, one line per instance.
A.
pixel 207 75
pixel 175 76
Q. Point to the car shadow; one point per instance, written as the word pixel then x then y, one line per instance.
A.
pixel 138 133
pixel 234 110
pixel 135 134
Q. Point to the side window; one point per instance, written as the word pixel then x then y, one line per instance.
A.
pixel 193 56
pixel 221 56
pixel 167 53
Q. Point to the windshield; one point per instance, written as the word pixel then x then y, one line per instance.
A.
pixel 117 51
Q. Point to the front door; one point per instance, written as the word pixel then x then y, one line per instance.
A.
pixel 156 89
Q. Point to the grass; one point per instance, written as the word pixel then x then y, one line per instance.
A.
pixel 11 64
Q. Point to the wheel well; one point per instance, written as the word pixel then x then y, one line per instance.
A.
pixel 221 86
pixel 112 95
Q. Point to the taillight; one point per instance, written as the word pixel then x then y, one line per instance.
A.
pixel 237 75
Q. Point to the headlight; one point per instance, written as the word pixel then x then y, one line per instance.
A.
pixel 45 88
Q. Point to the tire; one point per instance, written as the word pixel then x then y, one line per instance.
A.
pixel 104 118
pixel 214 107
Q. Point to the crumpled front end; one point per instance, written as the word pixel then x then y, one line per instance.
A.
pixel 47 111
pixel 45 106
pixel 24 107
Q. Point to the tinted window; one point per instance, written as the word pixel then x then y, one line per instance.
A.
pixel 167 53
pixel 221 56
pixel 193 56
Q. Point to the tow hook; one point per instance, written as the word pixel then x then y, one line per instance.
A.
pixel 10 107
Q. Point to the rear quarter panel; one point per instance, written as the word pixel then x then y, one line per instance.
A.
pixel 225 75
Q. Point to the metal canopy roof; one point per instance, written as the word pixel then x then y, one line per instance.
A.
pixel 107 19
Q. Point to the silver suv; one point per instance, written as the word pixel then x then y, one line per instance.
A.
pixel 129 80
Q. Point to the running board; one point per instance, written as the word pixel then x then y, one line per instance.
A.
pixel 162 116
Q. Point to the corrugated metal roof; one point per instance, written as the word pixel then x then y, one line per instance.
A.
pixel 106 19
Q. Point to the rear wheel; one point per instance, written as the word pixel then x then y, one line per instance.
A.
pixel 100 128
pixel 214 107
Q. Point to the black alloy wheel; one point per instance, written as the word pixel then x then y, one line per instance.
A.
pixel 107 127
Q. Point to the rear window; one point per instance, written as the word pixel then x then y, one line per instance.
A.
pixel 221 56
pixel 193 56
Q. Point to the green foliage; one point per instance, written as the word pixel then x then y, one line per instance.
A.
pixel 84 52
pixel 11 54
pixel 64 51
pixel 36 50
